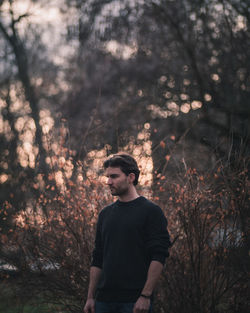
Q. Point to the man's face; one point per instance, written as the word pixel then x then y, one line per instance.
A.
pixel 118 181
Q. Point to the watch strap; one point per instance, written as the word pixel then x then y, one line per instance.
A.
pixel 145 296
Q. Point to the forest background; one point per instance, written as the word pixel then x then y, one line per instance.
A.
pixel 167 81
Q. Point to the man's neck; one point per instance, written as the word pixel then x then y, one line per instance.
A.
pixel 130 196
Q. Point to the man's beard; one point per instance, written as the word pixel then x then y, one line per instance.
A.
pixel 118 191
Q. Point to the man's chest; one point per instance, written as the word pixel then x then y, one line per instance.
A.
pixel 124 224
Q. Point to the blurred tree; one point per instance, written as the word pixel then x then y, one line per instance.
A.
pixel 27 76
pixel 11 34
pixel 204 58
pixel 188 75
pixel 97 83
pixel 133 63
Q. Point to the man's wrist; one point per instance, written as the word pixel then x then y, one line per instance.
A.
pixel 146 296
pixel 90 296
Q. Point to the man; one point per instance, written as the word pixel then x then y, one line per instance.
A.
pixel 131 245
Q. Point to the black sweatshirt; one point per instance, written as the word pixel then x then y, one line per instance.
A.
pixel 129 236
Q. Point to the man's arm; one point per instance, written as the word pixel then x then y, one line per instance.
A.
pixel 95 273
pixel 157 243
pixel 154 272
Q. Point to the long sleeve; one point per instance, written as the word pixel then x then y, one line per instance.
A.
pixel 157 236
pixel 97 255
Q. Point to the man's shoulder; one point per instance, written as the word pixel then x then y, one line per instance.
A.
pixel 150 204
pixel 149 207
pixel 107 208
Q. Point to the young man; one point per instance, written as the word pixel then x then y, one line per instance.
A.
pixel 131 245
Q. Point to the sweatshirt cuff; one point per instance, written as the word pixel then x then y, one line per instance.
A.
pixel 160 258
pixel 96 264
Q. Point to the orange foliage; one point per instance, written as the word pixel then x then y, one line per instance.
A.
pixel 162 144
pixel 54 235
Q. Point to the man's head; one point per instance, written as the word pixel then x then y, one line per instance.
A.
pixel 126 163
pixel 122 173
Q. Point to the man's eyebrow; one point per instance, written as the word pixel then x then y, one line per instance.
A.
pixel 112 175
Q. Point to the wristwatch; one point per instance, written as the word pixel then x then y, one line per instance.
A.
pixel 145 296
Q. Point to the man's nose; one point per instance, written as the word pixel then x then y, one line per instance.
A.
pixel 109 181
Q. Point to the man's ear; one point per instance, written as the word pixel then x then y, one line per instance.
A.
pixel 131 177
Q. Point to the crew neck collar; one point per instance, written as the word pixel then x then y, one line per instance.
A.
pixel 129 202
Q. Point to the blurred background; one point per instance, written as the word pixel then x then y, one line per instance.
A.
pixel 167 81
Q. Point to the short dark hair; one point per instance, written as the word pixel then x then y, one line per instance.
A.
pixel 126 163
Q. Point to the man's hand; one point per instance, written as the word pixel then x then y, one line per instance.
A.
pixel 89 306
pixel 142 305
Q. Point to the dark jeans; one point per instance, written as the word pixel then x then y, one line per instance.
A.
pixel 115 307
